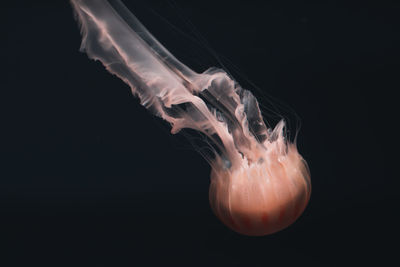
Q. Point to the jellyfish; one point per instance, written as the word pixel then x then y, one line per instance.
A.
pixel 259 183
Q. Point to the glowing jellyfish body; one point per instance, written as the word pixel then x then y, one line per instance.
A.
pixel 259 182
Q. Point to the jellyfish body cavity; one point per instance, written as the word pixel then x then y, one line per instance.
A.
pixel 260 184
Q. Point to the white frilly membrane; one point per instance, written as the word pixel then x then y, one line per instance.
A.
pixel 259 182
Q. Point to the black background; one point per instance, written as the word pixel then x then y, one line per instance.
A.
pixel 90 178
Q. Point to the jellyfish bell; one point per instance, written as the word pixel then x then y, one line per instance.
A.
pixel 259 182
pixel 265 196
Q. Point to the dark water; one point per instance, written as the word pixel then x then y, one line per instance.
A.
pixel 82 185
